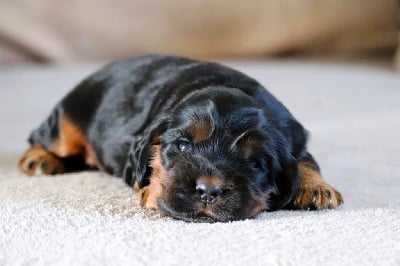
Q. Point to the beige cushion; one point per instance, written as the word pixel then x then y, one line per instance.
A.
pixel 63 30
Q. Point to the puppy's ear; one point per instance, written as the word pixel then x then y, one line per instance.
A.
pixel 287 184
pixel 137 169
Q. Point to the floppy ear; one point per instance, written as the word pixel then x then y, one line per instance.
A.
pixel 287 182
pixel 137 168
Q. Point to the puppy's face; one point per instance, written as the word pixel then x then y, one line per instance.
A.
pixel 218 159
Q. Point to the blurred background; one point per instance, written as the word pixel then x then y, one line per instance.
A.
pixel 64 31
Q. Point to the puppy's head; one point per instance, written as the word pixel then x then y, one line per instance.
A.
pixel 217 156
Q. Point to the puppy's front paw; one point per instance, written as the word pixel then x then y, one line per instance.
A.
pixel 39 161
pixel 316 196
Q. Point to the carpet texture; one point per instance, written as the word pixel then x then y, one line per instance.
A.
pixel 90 218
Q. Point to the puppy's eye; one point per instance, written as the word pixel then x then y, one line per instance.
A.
pixel 255 164
pixel 184 146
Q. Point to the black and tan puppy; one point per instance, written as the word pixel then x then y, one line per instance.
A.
pixel 197 139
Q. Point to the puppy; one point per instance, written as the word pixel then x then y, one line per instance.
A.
pixel 197 140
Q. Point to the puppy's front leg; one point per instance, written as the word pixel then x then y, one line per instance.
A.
pixel 314 192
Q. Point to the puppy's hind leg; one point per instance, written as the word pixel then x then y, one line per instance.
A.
pixel 37 160
pixel 57 146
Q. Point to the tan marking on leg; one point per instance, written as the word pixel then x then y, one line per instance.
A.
pixel 314 192
pixel 39 161
pixel 71 141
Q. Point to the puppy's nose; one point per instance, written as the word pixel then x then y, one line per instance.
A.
pixel 208 192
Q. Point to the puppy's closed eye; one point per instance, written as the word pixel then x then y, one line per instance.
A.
pixel 256 164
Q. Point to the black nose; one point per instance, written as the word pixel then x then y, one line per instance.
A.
pixel 208 192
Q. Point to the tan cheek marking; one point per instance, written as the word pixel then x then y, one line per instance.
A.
pixel 149 195
pixel 71 141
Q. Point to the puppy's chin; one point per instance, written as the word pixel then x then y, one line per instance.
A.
pixel 205 214
pixel 185 216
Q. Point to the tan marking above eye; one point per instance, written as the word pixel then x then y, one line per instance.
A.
pixel 241 136
pixel 247 142
pixel 201 130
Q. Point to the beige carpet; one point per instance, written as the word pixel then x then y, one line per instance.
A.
pixel 90 218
